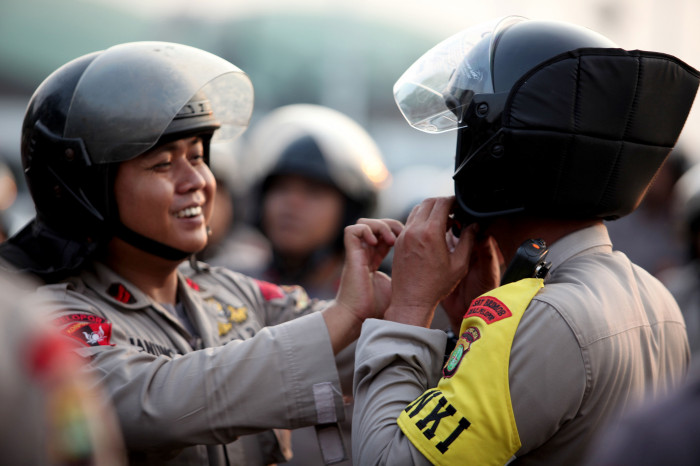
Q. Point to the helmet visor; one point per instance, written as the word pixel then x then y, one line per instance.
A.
pixel 433 92
pixel 130 93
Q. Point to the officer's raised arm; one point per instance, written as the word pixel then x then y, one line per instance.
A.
pixel 558 129
pixel 365 292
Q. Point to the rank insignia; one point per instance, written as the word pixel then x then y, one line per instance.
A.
pixel 120 293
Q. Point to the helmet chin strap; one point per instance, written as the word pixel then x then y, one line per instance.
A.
pixel 149 245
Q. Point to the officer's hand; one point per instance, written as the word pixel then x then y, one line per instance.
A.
pixel 483 275
pixel 364 292
pixel 425 268
pixel 363 289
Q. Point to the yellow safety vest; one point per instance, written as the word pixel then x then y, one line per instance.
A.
pixel 468 418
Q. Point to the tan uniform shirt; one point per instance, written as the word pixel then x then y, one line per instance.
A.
pixel 180 396
pixel 601 335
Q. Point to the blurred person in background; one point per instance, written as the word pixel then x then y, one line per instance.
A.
pixel 194 359
pixel 8 194
pixel 233 242
pixel 557 129
pixel 647 235
pixel 662 431
pixel 51 412
pixel 683 281
pixel 316 172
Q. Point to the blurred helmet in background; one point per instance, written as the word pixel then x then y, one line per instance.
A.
pixel 322 144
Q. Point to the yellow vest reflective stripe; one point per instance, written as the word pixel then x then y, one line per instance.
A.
pixel 468 418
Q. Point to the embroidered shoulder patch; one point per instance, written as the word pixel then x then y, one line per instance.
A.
pixel 269 290
pixel 300 295
pixel 192 284
pixel 489 309
pixel 88 329
pixel 120 293
pixel 464 344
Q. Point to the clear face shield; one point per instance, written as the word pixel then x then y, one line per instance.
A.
pixel 131 92
pixel 434 92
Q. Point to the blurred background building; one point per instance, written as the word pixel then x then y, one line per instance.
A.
pixel 342 54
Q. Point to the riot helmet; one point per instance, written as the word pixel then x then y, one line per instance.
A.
pixel 552 118
pixel 105 108
pixel 323 144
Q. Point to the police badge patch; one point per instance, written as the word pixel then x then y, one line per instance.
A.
pixel 88 329
pixel 469 336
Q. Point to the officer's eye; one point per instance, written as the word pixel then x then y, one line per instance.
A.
pixel 161 165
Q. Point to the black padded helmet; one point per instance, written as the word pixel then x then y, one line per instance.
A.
pixel 105 108
pixel 552 118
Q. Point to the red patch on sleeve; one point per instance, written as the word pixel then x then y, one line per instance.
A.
pixel 489 309
pixel 269 290
pixel 79 318
pixel 88 329
pixel 192 284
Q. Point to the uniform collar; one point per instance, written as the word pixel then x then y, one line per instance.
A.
pixel 585 241
pixel 125 296
pixel 119 292
pixel 114 288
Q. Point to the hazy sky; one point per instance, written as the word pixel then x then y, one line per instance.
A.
pixel 655 24
pixel 670 26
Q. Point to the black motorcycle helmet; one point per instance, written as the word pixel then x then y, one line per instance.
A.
pixel 552 118
pixel 102 109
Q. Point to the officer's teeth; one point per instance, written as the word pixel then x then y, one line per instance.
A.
pixel 189 212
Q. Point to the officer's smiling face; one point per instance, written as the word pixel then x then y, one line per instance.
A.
pixel 166 194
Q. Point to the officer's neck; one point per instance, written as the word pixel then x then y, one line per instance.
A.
pixel 510 232
pixel 153 275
